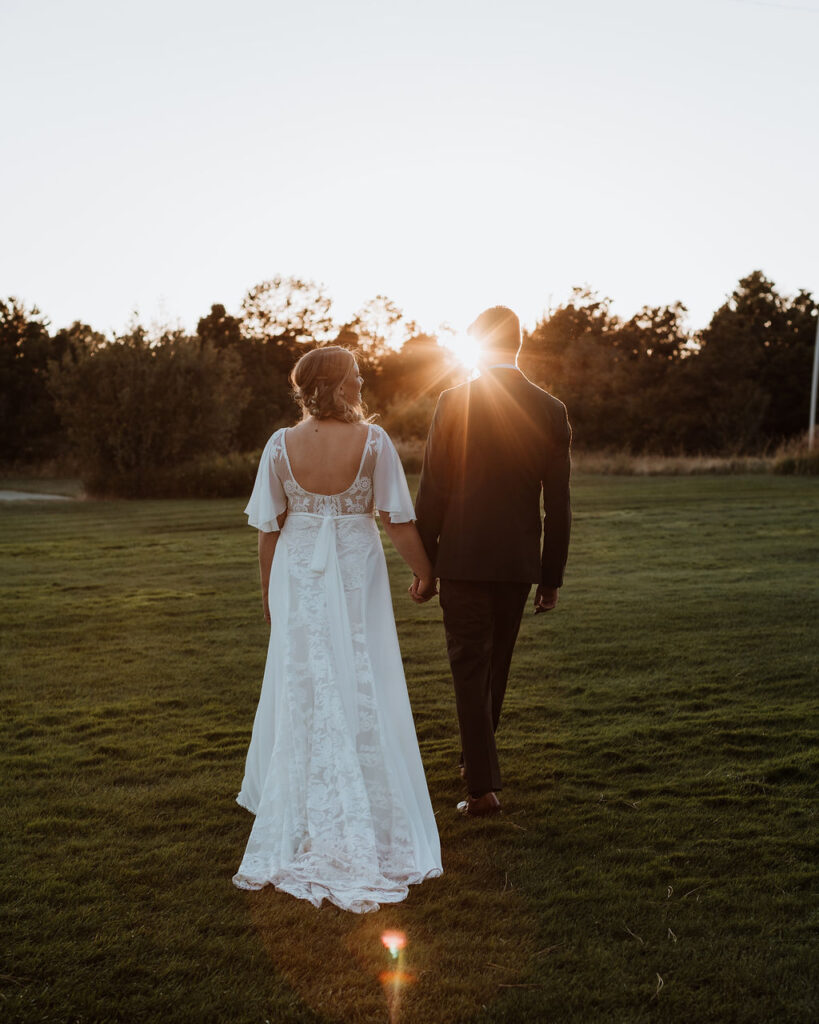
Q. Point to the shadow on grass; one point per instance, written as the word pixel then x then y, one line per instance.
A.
pixel 448 970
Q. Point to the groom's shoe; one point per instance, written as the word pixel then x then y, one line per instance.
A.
pixel 480 806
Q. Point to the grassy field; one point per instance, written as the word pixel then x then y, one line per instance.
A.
pixel 658 742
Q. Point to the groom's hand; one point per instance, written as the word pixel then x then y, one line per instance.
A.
pixel 422 590
pixel 545 599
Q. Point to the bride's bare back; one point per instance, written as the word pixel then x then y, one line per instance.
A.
pixel 325 455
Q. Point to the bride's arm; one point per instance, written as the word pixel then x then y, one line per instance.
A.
pixel 267 548
pixel 409 546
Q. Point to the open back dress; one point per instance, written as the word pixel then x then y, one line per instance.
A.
pixel 333 771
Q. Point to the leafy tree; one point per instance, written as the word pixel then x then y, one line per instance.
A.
pixel 653 338
pixel 571 353
pixel 411 380
pixel 219 329
pixel 76 342
pixel 381 328
pixel 28 421
pixel 649 349
pixel 375 332
pixel 623 381
pixel 789 368
pixel 131 408
pixel 753 370
pixel 287 311
pixel 279 320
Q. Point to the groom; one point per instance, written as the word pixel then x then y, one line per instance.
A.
pixel 494 444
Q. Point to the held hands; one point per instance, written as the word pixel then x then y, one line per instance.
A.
pixel 422 589
pixel 545 599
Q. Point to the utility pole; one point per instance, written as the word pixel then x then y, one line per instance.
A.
pixel 812 420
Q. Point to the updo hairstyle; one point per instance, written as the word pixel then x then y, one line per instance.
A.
pixel 317 379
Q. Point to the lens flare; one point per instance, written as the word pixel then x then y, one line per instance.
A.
pixel 396 978
pixel 393 941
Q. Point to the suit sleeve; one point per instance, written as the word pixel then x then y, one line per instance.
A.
pixel 431 500
pixel 557 504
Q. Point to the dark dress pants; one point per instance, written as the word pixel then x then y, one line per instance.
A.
pixel 481 621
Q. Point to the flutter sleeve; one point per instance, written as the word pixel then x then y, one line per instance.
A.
pixel 390 491
pixel 268 500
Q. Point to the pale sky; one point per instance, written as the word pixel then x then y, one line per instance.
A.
pixel 164 155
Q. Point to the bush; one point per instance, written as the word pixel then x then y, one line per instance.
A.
pixel 206 476
pixel 215 476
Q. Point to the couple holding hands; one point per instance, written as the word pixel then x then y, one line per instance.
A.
pixel 333 773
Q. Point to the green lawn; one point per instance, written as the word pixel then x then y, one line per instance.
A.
pixel 655 860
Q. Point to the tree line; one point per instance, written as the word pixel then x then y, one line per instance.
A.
pixel 124 406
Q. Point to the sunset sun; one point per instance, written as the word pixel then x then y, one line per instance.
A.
pixel 464 348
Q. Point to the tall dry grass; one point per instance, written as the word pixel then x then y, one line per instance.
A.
pixel 789 458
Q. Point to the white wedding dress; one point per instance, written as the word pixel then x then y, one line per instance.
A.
pixel 333 772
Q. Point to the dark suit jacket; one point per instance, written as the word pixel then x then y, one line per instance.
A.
pixel 494 445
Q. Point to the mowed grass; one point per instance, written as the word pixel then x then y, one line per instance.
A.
pixel 656 858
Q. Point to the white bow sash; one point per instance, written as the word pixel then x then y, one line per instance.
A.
pixel 325 561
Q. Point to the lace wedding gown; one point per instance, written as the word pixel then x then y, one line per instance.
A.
pixel 333 772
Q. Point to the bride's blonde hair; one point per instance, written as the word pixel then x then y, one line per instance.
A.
pixel 317 380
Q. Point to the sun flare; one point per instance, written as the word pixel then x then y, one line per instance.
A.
pixel 464 348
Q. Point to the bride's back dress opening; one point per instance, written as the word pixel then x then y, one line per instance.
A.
pixel 333 772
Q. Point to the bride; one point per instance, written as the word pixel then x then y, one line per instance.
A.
pixel 333 772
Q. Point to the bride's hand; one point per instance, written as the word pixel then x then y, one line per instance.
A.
pixel 423 588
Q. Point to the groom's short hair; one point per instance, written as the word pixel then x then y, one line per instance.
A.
pixel 496 328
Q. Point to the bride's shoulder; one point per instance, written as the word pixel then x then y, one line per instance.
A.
pixel 378 435
pixel 275 443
